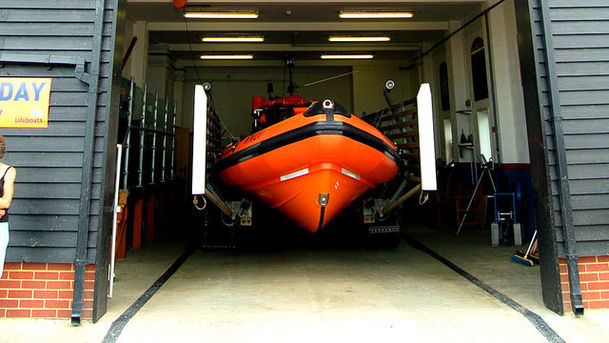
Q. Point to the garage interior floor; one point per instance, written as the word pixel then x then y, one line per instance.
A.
pixel 325 295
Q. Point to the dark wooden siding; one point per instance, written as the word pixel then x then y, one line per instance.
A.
pixel 45 211
pixel 579 33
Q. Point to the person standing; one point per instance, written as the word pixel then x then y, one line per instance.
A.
pixel 7 183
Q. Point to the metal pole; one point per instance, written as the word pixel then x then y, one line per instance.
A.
pixel 140 171
pixel 84 212
pixel 564 192
pixel 119 156
pixel 471 199
pixel 493 91
pixel 165 127
pixel 127 142
pixel 173 142
pixel 156 113
pixel 401 199
pixel 216 200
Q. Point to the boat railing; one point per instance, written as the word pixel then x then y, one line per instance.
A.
pixel 400 125
pixel 147 132
pixel 153 174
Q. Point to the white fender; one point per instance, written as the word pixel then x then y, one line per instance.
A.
pixel 427 148
pixel 199 142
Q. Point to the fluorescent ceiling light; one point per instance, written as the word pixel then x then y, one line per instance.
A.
pixel 227 57
pixel 364 14
pixel 221 14
pixel 347 57
pixel 359 39
pixel 243 39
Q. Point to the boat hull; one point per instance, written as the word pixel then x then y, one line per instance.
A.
pixel 310 168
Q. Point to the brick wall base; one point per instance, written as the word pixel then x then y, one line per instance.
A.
pixel 594 280
pixel 42 290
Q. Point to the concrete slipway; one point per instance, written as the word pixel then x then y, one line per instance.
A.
pixel 325 295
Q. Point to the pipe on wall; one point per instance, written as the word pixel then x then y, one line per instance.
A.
pixel 87 168
pixel 566 212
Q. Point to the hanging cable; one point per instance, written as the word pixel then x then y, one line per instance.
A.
pixel 330 78
pixel 192 55
pixel 448 37
pixel 194 65
pixel 211 102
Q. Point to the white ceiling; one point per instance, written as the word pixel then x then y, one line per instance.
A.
pixel 300 28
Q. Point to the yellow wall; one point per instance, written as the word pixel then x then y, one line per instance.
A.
pixel 368 85
pixel 234 87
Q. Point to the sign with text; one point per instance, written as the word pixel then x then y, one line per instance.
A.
pixel 24 102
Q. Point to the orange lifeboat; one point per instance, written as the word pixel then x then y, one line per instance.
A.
pixel 311 165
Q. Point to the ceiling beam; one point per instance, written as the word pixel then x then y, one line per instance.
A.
pixel 299 26
pixel 185 63
pixel 334 2
pixel 293 48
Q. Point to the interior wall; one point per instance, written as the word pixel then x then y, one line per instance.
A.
pixel 159 74
pixel 510 125
pixel 368 85
pixel 234 87
pixel 509 104
pixel 178 95
pixel 508 85
pixel 432 76
pixel 467 116
pixel 137 64
pixel 361 92
pixel 455 59
pixel 128 34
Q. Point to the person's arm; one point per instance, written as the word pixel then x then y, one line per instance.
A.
pixel 9 189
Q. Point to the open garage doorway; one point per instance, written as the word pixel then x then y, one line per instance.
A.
pixel 458 48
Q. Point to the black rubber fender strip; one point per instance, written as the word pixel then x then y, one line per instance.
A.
pixel 320 128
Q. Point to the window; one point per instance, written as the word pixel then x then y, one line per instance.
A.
pixel 479 70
